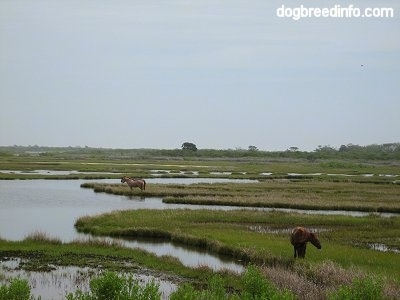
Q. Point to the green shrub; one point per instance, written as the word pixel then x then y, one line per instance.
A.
pixel 18 289
pixel 184 292
pixel 215 291
pixel 112 286
pixel 360 289
pixel 255 286
pixel 106 287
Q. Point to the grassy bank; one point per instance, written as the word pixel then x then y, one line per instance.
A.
pixel 40 253
pixel 261 237
pixel 300 194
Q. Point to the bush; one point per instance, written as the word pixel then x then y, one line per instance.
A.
pixel 111 286
pixel 184 292
pixel 255 286
pixel 215 291
pixel 18 289
pixel 360 289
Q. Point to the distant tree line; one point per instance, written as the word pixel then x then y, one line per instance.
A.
pixel 375 152
pixel 390 151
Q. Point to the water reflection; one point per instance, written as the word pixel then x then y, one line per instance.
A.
pixel 54 172
pixel 382 248
pixel 60 281
pixel 53 206
pixel 189 256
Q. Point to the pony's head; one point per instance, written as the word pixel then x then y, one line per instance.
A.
pixel 123 179
pixel 314 240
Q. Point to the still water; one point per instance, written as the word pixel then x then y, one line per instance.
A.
pixel 53 206
pixel 59 282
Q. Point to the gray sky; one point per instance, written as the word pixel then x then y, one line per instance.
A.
pixel 220 74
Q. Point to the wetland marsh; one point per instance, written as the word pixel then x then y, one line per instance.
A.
pixel 236 219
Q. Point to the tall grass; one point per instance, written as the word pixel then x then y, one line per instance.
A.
pixel 42 237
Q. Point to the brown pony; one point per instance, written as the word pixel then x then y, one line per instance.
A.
pixel 299 238
pixel 134 182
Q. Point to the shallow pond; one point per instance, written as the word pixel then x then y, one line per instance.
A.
pixel 53 206
pixel 57 283
pixel 383 248
pixel 53 172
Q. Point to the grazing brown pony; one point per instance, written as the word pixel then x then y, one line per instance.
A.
pixel 299 238
pixel 134 182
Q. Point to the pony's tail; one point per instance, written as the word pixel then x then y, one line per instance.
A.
pixel 144 185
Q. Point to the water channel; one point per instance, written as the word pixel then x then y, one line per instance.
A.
pixel 53 206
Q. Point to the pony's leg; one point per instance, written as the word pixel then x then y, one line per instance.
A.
pixel 303 250
pixel 295 251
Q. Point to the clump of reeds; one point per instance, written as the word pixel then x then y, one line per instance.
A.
pixel 99 242
pixel 42 237
pixel 324 280
pixel 297 283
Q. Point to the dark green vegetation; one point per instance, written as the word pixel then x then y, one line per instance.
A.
pixel 388 152
pixel 345 261
pixel 112 286
pixel 17 289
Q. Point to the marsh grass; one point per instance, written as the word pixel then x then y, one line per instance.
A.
pixel 343 258
pixel 330 280
pixel 229 233
pixel 42 237
pixel 226 167
pixel 313 195
pixel 99 242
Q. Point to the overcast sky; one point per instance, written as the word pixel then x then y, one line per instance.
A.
pixel 220 74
